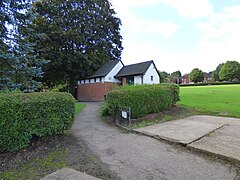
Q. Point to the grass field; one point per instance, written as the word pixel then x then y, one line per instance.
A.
pixel 79 107
pixel 223 100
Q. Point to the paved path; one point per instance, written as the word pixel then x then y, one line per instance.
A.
pixel 68 174
pixel 133 156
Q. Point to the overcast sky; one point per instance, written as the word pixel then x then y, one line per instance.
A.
pixel 180 34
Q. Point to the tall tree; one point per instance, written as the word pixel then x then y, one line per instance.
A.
pixel 175 77
pixel 164 76
pixel 18 64
pixel 78 37
pixel 196 75
pixel 215 73
pixel 230 71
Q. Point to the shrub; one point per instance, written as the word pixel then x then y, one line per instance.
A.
pixel 143 100
pixel 24 115
pixel 209 84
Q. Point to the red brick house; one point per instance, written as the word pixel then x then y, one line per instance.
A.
pixel 185 79
pixel 207 77
pixel 114 73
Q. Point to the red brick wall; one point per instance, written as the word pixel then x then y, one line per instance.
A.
pixel 94 91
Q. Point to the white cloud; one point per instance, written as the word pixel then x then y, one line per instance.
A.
pixel 186 8
pixel 191 8
pixel 221 34
pixel 144 25
pixel 220 40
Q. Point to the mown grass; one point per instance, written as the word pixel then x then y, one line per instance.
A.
pixel 221 100
pixel 79 107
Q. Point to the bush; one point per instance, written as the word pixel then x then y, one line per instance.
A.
pixel 41 114
pixel 143 100
pixel 209 84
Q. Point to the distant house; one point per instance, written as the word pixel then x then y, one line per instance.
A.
pixel 185 79
pixel 114 73
pixel 207 77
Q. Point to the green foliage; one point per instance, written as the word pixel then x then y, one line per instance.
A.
pixel 27 114
pixel 215 73
pixel 19 66
pixel 163 76
pixel 175 77
pixel 196 75
pixel 143 100
pixel 230 71
pixel 77 36
pixel 210 83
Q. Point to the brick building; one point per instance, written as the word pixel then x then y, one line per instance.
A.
pixel 113 74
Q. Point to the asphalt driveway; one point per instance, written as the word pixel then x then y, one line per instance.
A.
pixel 133 156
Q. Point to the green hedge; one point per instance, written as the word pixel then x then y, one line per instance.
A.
pixel 41 114
pixel 209 84
pixel 143 99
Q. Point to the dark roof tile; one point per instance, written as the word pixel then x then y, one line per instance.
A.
pixel 105 69
pixel 134 69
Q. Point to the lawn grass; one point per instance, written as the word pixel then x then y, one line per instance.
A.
pixel 221 100
pixel 79 107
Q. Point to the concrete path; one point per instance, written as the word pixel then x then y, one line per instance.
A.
pixel 224 142
pixel 217 135
pixel 133 156
pixel 180 131
pixel 68 174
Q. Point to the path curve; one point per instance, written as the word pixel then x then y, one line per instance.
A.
pixel 132 156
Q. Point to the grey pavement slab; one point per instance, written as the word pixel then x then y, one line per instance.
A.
pixel 68 174
pixel 214 119
pixel 224 142
pixel 184 131
pixel 136 157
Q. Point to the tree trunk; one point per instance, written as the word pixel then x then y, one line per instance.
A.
pixel 72 84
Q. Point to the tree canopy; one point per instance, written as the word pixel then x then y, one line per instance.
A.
pixel 230 71
pixel 164 76
pixel 215 73
pixel 19 66
pixel 196 75
pixel 77 36
pixel 175 77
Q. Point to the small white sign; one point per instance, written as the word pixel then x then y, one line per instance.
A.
pixel 124 114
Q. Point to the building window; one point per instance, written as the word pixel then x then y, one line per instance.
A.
pixel 130 80
pixel 151 78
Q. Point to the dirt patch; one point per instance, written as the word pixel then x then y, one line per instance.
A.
pixel 45 156
pixel 173 113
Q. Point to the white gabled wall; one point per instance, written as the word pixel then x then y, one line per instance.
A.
pixel 113 72
pixel 137 80
pixel 151 72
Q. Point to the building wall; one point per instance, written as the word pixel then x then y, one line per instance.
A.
pixel 94 92
pixel 151 72
pixel 137 80
pixel 113 72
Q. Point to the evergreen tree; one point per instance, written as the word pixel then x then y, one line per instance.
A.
pixel 77 36
pixel 19 65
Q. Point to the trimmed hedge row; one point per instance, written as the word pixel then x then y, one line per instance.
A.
pixel 41 114
pixel 143 99
pixel 209 84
